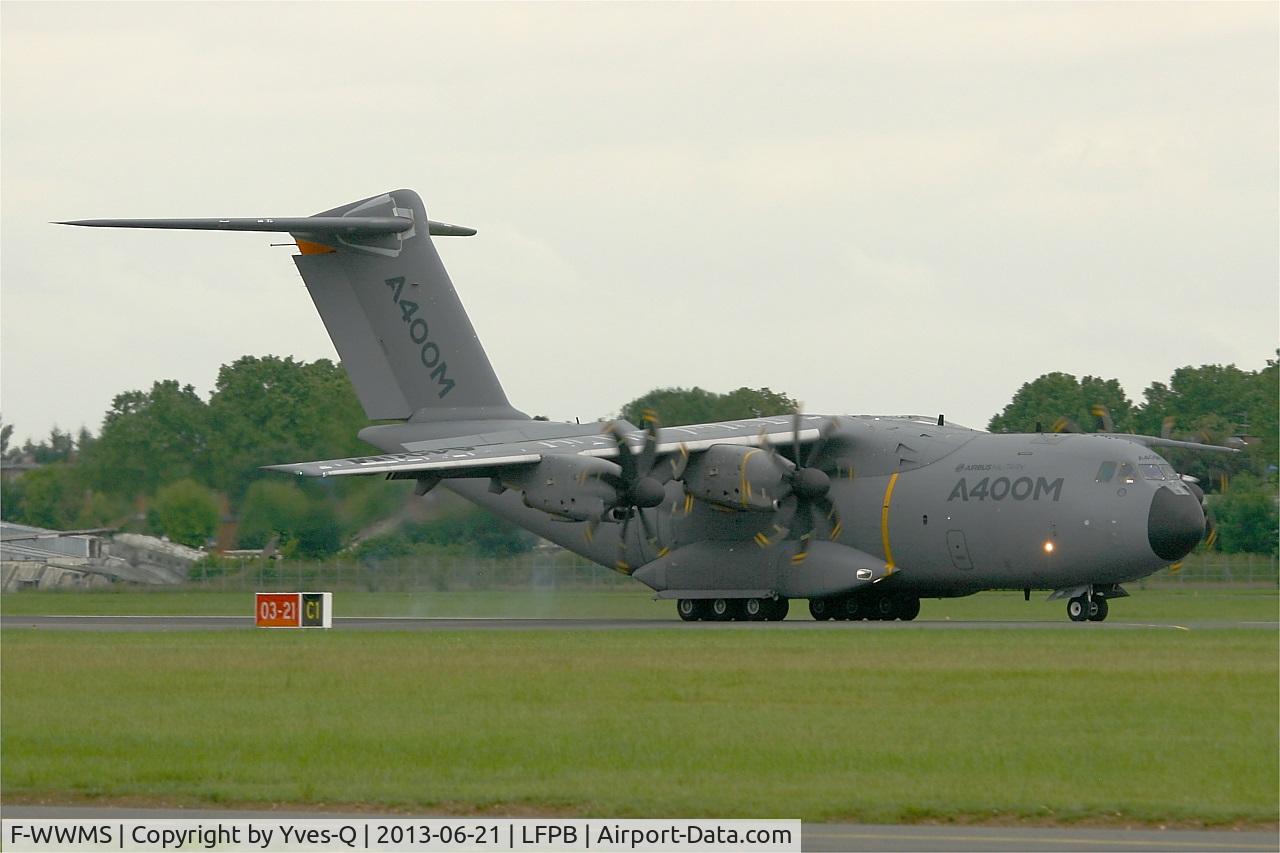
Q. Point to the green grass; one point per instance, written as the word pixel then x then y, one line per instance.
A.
pixel 1153 605
pixel 1147 726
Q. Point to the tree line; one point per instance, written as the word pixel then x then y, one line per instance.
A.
pixel 169 462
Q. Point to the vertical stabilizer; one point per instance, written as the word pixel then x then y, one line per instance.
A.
pixel 394 316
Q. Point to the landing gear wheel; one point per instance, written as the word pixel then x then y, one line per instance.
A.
pixel 820 609
pixel 1078 609
pixel 853 608
pixel 691 609
pixel 886 608
pixel 754 609
pixel 1099 610
pixel 778 610
pixel 721 610
pixel 908 608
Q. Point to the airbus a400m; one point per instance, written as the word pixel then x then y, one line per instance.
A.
pixel 861 516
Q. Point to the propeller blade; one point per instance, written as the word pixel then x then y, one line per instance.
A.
pixel 589 532
pixel 781 526
pixel 679 462
pixel 815 450
pixel 779 461
pixel 802 521
pixel 1103 414
pixel 649 533
pixel 648 455
pixel 1065 424
pixel 828 507
pixel 795 438
pixel 626 459
pixel 622 565
pixel 799 556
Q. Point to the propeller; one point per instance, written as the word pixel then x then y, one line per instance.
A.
pixel 1102 421
pixel 809 485
pixel 1103 415
pixel 637 489
pixel 1210 528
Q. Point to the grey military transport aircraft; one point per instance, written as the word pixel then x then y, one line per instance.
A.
pixel 862 516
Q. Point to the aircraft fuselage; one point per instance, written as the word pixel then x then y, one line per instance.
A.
pixel 952 511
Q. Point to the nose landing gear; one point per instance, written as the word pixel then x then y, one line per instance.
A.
pixel 1090 607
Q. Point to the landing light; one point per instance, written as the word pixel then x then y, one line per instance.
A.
pixel 1048 547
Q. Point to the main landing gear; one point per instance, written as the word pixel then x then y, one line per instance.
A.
pixel 883 606
pixel 1084 608
pixel 731 609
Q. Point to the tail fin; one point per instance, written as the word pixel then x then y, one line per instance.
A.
pixel 388 304
pixel 399 327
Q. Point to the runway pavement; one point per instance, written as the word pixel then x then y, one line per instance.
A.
pixel 817 836
pixel 396 623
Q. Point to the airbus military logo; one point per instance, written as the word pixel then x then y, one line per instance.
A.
pixel 419 333
pixel 1019 489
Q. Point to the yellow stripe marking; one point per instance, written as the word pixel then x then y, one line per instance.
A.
pixel 762 540
pixel 884 522
pixel 744 487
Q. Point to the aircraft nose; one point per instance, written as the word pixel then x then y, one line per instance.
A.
pixel 1174 524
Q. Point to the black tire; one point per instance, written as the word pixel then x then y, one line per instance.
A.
pixel 853 607
pixel 820 609
pixel 908 608
pixel 721 610
pixel 690 609
pixel 755 609
pixel 885 608
pixel 1078 610
pixel 779 610
pixel 1099 611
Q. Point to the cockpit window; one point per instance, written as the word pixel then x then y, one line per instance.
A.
pixel 1105 472
pixel 1151 472
pixel 1128 473
pixel 1169 473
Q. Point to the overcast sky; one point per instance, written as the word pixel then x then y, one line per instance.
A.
pixel 875 208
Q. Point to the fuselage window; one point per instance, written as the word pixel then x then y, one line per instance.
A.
pixel 1169 473
pixel 1105 472
pixel 1151 472
pixel 1128 473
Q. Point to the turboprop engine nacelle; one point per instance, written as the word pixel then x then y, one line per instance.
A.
pixel 573 487
pixel 739 477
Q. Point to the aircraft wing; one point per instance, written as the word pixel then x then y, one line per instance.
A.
pixel 1153 441
pixel 477 462
pixel 461 459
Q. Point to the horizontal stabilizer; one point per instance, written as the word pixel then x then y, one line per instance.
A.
pixel 353 226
